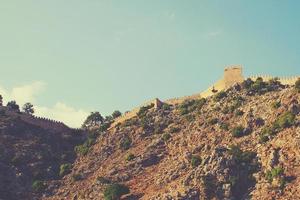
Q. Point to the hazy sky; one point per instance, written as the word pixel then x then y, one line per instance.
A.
pixel 70 57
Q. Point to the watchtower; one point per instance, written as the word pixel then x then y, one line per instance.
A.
pixel 233 75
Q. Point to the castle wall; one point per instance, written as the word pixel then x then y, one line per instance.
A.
pixel 232 75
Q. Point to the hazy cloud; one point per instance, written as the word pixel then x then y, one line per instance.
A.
pixel 60 111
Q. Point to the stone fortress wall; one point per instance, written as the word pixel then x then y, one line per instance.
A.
pixel 42 122
pixel 232 75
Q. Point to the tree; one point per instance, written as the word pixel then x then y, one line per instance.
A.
pixel 12 105
pixel 116 114
pixel 28 108
pixel 94 119
pixel 1 100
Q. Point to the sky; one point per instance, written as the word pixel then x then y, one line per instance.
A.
pixel 72 57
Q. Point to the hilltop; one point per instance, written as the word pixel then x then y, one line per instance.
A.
pixel 241 142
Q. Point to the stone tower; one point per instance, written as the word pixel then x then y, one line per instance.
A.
pixel 233 75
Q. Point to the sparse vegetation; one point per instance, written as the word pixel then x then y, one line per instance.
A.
pixel 239 113
pixel 166 136
pixel 276 104
pixel 125 143
pixel 166 106
pixel 77 177
pixel 276 173
pixel 224 126
pixel 190 105
pixel 115 191
pixel 65 169
pixel 130 157
pixel 213 121
pixel 220 95
pixel 143 110
pixel 195 161
pixel 238 131
pixel 38 186
pixel 285 120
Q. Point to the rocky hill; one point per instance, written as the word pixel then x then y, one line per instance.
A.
pixel 242 143
pixel 31 154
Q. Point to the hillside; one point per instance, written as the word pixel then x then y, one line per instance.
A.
pixel 31 152
pixel 242 143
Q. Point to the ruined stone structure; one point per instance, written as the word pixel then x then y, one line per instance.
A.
pixel 232 75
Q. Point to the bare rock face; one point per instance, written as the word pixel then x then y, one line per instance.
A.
pixel 189 151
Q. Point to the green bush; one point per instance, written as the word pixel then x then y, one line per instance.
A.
pixel 297 85
pixel 125 143
pixel 103 180
pixel 130 157
pixel 77 177
pixel 220 96
pixel 224 126
pixel 195 161
pixel 143 110
pixel 238 131
pixel 65 169
pixel 274 173
pixel 241 156
pixel 174 130
pixel 239 113
pixel 115 191
pixel 190 105
pixel 166 136
pixel 166 106
pixel 265 133
pixel 285 120
pixel 81 149
pixel 38 186
pixel 213 121
pixel 276 104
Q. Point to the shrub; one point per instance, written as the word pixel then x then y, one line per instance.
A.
pixel 241 156
pixel 239 113
pixel 195 161
pixel 174 129
pixel 275 173
pixel 224 126
pixel 116 114
pixel 213 121
pixel 115 191
pixel 265 133
pixel 38 186
pixel 144 109
pixel 81 149
pixel 190 105
pixel 65 169
pixel 166 136
pixel 285 120
pixel 297 85
pixel 103 180
pixel 76 177
pixel 220 96
pixel 276 104
pixel 166 106
pixel 130 157
pixel 238 131
pixel 125 143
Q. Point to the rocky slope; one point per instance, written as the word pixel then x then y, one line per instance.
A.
pixel 240 144
pixel 31 154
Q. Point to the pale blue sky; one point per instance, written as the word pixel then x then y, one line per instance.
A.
pixel 115 54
